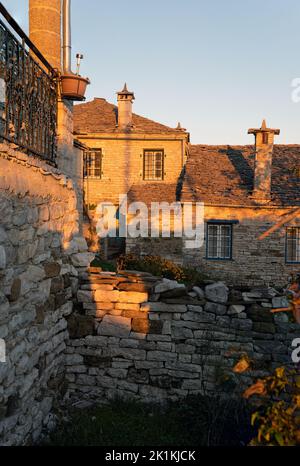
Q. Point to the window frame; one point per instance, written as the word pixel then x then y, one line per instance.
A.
pixel 85 167
pixel 297 261
pixel 162 165
pixel 219 224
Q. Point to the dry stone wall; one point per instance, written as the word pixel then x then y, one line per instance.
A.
pixel 135 335
pixel 41 252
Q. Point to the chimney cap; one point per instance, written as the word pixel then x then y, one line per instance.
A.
pixel 263 129
pixel 179 127
pixel 125 91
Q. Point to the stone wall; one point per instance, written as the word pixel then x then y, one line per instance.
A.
pixel 256 259
pixel 41 252
pixel 135 335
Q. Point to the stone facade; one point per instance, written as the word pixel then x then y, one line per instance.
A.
pixel 258 250
pixel 122 164
pixel 96 125
pixel 137 336
pixel 41 251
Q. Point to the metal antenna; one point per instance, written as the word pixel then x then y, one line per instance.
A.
pixel 79 57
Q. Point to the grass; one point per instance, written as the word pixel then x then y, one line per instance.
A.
pixel 198 421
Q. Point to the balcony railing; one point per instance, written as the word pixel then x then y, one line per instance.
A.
pixel 28 94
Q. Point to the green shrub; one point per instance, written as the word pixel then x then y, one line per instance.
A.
pixel 160 267
pixel 278 418
pixel 106 266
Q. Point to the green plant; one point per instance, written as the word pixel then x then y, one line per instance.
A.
pixel 106 266
pixel 278 419
pixel 160 267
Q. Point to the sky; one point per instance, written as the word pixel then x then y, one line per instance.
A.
pixel 219 67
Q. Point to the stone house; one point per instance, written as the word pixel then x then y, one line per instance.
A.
pixel 250 193
pixel 126 149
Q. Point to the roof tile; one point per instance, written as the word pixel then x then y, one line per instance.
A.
pixel 99 116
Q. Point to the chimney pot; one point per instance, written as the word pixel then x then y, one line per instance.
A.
pixel 264 143
pixel 125 99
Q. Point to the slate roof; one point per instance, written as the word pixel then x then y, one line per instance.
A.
pixel 223 175
pixel 153 192
pixel 99 116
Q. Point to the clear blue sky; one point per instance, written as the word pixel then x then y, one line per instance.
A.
pixel 218 67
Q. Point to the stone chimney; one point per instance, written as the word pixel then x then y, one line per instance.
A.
pixel 125 99
pixel 264 142
pixel 45 29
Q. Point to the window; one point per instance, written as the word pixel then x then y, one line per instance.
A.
pixel 265 138
pixel 293 244
pixel 219 241
pixel 153 165
pixel 93 163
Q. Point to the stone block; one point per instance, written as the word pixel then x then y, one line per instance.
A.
pixel 85 296
pixel 116 326
pixel 127 306
pixel 167 285
pixel 217 292
pixel 82 259
pixel 215 308
pixel 181 333
pixel 265 327
pixel 15 291
pixel 161 356
pixel 163 307
pixel 199 292
pixel 106 296
pixel 136 287
pixel 199 317
pixel 134 314
pixel 52 269
pixel 235 309
pixel 132 297
pixel 128 353
pixel 80 326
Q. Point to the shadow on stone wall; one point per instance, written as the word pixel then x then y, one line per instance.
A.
pixel 138 336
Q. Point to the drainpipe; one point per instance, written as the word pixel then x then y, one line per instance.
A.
pixel 67 37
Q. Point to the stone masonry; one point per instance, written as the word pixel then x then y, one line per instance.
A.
pixel 135 335
pixel 258 253
pixel 41 252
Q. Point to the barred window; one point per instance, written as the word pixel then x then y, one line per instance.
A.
pixel 293 244
pixel 153 165
pixel 93 163
pixel 219 241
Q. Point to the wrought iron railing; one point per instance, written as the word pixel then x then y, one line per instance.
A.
pixel 28 94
